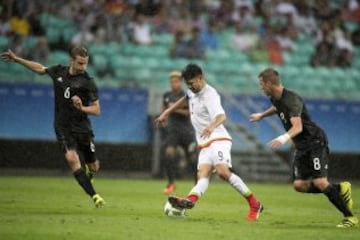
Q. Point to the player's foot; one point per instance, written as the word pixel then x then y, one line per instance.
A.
pixel 99 201
pixel 255 212
pixel 348 222
pixel 180 203
pixel 345 190
pixel 169 189
pixel 89 173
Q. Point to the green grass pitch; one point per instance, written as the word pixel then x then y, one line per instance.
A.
pixel 56 208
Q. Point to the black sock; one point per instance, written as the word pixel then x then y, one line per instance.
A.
pixel 170 169
pixel 336 186
pixel 84 182
pixel 336 199
pixel 313 189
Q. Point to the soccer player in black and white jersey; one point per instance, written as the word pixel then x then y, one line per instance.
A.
pixel 312 152
pixel 76 97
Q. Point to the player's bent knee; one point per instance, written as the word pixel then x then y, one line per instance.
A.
pixel 95 166
pixel 73 160
pixel 170 151
pixel 299 186
pixel 223 172
pixel 321 183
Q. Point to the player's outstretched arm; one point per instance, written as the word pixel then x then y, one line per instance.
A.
pixel 161 120
pixel 255 117
pixel 219 119
pixel 296 129
pixel 33 66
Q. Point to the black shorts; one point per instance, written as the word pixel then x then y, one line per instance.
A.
pixel 179 138
pixel 82 143
pixel 311 163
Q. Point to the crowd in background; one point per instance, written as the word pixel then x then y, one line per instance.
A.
pixel 261 28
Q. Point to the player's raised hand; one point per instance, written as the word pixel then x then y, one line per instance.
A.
pixel 275 143
pixel 255 117
pixel 77 102
pixel 161 121
pixel 8 55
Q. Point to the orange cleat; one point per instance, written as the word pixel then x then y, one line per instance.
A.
pixel 169 189
pixel 255 212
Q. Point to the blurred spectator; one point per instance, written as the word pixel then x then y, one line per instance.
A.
pixel 355 36
pixel 345 50
pixel 344 58
pixel 40 52
pixel 141 31
pixel 163 22
pixel 84 36
pixel 285 41
pixel 224 12
pixel 273 47
pixel 343 42
pixel 35 25
pixel 4 25
pixel 195 48
pixel 16 45
pixel 20 25
pixel 179 46
pixel 305 21
pixel 243 14
pixel 184 21
pixel 324 55
pixel 147 7
pixel 325 33
pixel 259 54
pixel 210 37
pixel 243 40
pixel 287 7
pixel 351 11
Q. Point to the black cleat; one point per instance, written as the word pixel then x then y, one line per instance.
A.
pixel 180 203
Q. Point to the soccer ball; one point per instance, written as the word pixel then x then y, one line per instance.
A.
pixel 173 212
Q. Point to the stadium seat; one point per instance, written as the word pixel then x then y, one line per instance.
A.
pixel 163 39
pixel 59 57
pixel 99 62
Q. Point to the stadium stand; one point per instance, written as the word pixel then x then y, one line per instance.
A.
pixel 116 61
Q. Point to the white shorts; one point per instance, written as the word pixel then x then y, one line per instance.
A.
pixel 219 152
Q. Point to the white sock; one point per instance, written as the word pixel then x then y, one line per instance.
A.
pixel 200 188
pixel 239 185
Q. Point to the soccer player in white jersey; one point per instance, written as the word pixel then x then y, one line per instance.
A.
pixel 207 117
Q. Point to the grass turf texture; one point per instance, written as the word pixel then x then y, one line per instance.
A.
pixel 56 208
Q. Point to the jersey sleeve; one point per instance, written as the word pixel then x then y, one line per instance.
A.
pixel 213 105
pixel 295 106
pixel 164 101
pixel 93 91
pixel 53 70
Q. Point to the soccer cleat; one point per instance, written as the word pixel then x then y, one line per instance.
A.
pixel 89 173
pixel 99 201
pixel 180 203
pixel 345 191
pixel 255 212
pixel 348 222
pixel 169 189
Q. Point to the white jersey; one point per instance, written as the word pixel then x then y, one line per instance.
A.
pixel 204 107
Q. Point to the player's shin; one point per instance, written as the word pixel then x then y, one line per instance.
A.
pixel 241 187
pixel 84 182
pixel 337 200
pixel 198 190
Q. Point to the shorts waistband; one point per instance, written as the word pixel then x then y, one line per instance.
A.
pixel 207 144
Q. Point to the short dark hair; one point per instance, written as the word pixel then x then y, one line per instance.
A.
pixel 191 71
pixel 78 51
pixel 271 75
